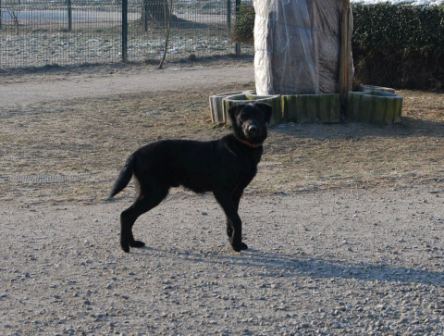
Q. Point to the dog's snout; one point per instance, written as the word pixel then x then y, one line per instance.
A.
pixel 252 129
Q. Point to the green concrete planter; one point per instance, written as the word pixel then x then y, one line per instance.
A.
pixel 217 107
pixel 311 108
pixel 374 107
pixel 243 98
pixel 274 101
pixel 378 90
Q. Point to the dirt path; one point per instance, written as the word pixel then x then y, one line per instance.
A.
pixel 42 88
pixel 351 262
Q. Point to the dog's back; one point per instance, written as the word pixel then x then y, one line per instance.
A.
pixel 178 162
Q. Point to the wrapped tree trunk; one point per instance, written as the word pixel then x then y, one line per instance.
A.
pixel 298 46
pixel 345 78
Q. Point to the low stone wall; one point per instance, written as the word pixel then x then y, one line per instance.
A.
pixel 374 105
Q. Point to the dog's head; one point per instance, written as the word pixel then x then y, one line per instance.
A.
pixel 249 121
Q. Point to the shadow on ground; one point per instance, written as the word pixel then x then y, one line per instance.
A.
pixel 293 265
pixel 409 127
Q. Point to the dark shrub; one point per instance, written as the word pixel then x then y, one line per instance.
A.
pixel 243 27
pixel 400 46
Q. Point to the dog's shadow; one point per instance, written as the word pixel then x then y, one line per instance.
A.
pixel 279 264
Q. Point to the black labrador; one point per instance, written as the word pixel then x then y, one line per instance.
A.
pixel 224 166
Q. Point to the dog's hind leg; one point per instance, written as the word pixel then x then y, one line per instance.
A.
pixel 143 203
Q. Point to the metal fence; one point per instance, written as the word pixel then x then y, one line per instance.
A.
pixel 36 33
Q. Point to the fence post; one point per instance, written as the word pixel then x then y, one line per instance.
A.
pixel 69 9
pixel 229 17
pixel 124 30
pixel 145 15
pixel 237 46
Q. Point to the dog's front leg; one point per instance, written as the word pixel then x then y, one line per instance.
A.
pixel 230 208
pixel 237 194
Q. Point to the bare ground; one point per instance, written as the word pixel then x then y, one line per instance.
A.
pixel 345 223
pixel 71 150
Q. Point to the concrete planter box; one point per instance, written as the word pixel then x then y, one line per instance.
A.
pixel 312 108
pixel 378 90
pixel 248 97
pixel 374 107
pixel 217 107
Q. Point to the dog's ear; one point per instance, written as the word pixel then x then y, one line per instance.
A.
pixel 267 109
pixel 233 111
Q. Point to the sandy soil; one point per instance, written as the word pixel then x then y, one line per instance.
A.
pixel 345 223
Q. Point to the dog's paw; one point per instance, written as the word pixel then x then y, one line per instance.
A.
pixel 124 246
pixel 239 247
pixel 137 244
pixel 236 248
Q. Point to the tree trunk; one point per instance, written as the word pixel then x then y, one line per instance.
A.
pixel 154 11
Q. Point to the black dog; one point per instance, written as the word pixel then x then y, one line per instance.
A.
pixel 224 166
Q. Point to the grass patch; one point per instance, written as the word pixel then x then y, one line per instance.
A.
pixel 88 140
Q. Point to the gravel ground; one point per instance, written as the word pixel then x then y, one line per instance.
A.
pixel 345 222
pixel 351 262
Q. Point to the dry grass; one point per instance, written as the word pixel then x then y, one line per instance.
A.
pixel 72 150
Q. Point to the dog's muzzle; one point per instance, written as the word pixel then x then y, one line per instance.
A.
pixel 252 130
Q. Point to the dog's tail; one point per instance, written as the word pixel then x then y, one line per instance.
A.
pixel 124 177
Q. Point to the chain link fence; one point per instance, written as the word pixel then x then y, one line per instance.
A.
pixel 36 33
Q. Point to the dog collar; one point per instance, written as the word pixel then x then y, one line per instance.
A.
pixel 248 144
